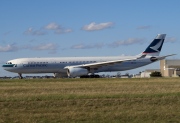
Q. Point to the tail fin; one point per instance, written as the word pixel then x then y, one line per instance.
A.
pixel 155 47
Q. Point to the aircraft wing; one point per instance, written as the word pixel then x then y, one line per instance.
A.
pixel 100 64
pixel 106 63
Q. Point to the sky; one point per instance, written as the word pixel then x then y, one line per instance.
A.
pixel 65 28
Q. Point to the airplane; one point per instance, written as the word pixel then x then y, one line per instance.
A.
pixel 81 66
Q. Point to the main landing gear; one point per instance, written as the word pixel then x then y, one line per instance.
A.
pixel 90 76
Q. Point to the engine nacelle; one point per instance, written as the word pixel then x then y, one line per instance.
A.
pixel 75 72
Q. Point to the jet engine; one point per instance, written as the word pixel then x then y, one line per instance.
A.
pixel 75 72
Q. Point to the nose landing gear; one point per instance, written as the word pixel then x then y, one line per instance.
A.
pixel 20 75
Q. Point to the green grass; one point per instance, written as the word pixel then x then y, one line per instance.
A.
pixel 90 100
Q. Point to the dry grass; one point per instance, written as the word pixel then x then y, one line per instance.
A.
pixel 90 100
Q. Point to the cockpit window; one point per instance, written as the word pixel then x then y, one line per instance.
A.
pixel 9 63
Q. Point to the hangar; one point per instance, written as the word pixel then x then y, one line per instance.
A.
pixel 170 68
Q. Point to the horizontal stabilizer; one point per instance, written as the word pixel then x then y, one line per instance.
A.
pixel 163 57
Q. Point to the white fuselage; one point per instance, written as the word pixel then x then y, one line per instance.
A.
pixel 57 65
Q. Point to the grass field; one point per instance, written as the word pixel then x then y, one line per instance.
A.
pixel 153 100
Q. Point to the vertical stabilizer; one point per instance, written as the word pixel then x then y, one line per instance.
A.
pixel 155 47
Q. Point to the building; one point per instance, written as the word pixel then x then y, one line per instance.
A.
pixel 146 73
pixel 170 68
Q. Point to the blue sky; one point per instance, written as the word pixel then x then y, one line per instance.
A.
pixel 57 28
